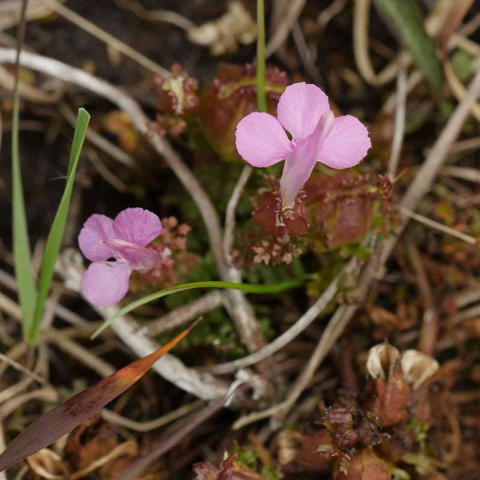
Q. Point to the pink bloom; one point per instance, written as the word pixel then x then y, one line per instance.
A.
pixel 317 136
pixel 124 239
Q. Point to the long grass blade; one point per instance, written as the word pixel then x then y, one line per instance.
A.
pixel 248 288
pixel 55 237
pixel 405 18
pixel 66 416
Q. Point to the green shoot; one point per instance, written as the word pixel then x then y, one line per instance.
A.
pixel 261 89
pixel 54 241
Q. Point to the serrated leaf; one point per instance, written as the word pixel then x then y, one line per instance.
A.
pixel 66 416
pixel 406 19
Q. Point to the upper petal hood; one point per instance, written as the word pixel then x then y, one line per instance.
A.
pixel 300 108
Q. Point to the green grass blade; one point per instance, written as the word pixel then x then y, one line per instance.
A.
pixel 261 89
pixel 55 237
pixel 406 19
pixel 264 289
pixel 21 243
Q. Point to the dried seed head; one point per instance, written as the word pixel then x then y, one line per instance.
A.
pixel 418 367
pixel 381 360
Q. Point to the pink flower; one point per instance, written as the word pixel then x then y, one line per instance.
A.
pixel 124 239
pixel 317 136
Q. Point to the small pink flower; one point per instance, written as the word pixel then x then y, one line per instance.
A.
pixel 317 136
pixel 124 239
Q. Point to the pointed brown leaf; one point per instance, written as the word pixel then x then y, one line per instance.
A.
pixel 66 416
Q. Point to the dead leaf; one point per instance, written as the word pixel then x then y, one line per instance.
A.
pixel 66 416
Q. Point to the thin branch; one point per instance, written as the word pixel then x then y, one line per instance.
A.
pixel 231 209
pixel 438 226
pixel 107 38
pixel 185 313
pixel 400 110
pixel 295 8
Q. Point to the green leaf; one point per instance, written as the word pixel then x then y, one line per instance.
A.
pixel 55 237
pixel 21 243
pixel 263 289
pixel 406 19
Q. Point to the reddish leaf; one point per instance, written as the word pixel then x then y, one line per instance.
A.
pixel 66 416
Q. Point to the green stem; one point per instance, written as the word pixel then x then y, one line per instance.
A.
pixel 248 288
pixel 261 90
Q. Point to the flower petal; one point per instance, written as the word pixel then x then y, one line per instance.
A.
pixel 346 145
pixel 300 108
pixel 300 164
pixel 106 283
pixel 137 225
pixel 95 231
pixel 261 140
pixel 139 258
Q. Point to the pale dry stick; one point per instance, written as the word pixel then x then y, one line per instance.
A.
pixel 429 329
pixel 15 390
pixel 465 146
pixel 437 226
pixel 86 357
pixel 330 335
pixel 296 329
pixel 294 9
pixel 129 448
pixel 360 47
pixel 326 15
pixel 9 306
pixel 18 366
pixel 62 312
pixel 107 38
pixel 305 54
pixel 104 172
pixel 156 15
pixel 231 209
pixel 14 353
pixel 98 140
pixel 414 79
pixel 464 173
pixel 150 425
pixel 45 394
pixel 32 94
pixel 248 328
pixel 184 314
pixel 400 113
pixel 466 314
pixel 457 87
pixel 3 475
pixel 10 12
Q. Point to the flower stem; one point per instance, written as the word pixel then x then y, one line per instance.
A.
pixel 261 90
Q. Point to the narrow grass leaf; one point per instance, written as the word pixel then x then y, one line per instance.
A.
pixel 21 243
pixel 248 288
pixel 66 416
pixel 55 237
pixel 406 19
